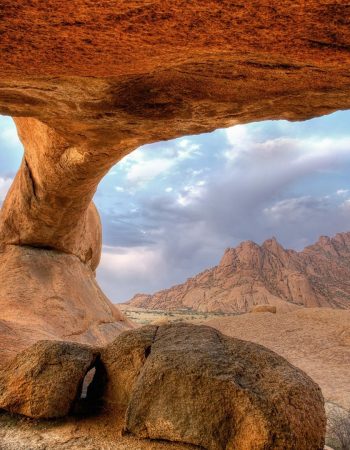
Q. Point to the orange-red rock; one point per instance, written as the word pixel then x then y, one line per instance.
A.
pixel 150 70
pixel 267 275
pixel 191 384
pixel 90 81
pixel 51 295
pixel 45 380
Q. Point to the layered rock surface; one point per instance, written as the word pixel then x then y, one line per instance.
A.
pixel 250 275
pixel 139 71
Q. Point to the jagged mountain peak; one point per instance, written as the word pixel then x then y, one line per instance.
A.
pixel 252 274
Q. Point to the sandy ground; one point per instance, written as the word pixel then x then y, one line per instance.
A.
pixel 317 340
pixel 94 433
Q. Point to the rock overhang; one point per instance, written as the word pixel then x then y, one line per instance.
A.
pixel 129 73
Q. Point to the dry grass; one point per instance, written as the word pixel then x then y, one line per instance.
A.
pixel 338 428
pixel 143 316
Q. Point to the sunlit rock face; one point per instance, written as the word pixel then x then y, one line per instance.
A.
pixel 266 275
pixel 46 294
pixel 89 82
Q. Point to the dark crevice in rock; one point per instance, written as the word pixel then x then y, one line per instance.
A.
pixel 91 390
pixel 30 178
pixel 148 349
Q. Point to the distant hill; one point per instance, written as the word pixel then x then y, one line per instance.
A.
pixel 251 274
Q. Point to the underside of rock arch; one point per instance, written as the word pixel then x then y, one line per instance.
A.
pixel 88 82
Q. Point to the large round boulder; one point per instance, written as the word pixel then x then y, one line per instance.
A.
pixel 192 384
pixel 45 380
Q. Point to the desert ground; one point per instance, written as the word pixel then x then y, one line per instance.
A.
pixel 143 316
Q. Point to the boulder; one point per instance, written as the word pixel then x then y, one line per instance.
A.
pixel 123 361
pixel 45 380
pixel 191 384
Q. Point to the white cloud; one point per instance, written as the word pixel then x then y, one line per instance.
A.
pixel 141 166
pixel 122 267
pixel 148 170
pixel 294 208
pixel 119 189
pixel 342 192
pixel 345 206
pixel 190 193
pixel 125 261
pixel 238 134
pixel 184 143
pixel 246 144
pixel 187 149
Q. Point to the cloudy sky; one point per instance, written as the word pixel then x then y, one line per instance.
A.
pixel 170 209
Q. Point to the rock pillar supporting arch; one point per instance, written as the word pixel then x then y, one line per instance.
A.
pixel 50 237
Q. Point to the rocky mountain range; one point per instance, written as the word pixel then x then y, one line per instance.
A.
pixel 252 274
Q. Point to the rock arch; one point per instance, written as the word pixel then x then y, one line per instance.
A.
pixel 89 82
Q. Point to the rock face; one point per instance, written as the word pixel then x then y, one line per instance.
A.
pixel 194 67
pixel 124 359
pixel 47 294
pixel 45 380
pixel 250 275
pixel 191 384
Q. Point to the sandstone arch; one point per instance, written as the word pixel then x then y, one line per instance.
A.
pixel 89 82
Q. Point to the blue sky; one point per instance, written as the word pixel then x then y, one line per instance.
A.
pixel 170 209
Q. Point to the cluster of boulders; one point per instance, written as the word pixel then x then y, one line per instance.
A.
pixel 176 382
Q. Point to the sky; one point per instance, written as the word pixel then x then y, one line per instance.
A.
pixel 170 209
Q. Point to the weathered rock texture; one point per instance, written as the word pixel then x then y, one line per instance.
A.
pixel 45 380
pixel 250 275
pixel 47 294
pixel 88 82
pixel 191 384
pixel 123 359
